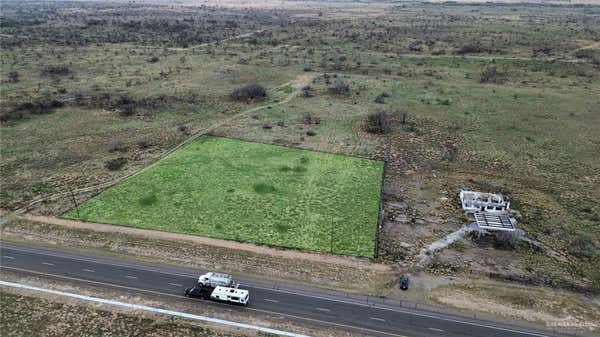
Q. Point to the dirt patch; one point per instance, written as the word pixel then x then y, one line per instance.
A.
pixel 543 305
pixel 289 254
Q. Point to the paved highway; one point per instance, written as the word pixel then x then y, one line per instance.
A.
pixel 363 314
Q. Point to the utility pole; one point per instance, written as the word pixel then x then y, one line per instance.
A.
pixel 331 237
pixel 74 201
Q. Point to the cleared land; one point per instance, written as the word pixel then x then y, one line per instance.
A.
pixel 493 97
pixel 233 189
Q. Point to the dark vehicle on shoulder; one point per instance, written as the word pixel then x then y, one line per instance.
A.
pixel 404 281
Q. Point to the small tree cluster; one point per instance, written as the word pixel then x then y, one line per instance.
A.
pixel 115 164
pixel 340 87
pixel 378 122
pixel 249 92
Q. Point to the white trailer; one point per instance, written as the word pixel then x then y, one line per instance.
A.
pixel 230 295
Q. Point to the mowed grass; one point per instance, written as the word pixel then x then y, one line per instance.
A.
pixel 233 189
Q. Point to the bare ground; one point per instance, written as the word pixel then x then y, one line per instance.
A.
pixel 202 240
pixel 552 307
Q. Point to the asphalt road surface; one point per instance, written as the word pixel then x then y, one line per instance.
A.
pixel 367 315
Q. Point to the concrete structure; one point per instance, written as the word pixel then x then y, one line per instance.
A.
pixel 483 202
pixel 490 211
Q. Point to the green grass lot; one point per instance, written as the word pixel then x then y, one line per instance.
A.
pixel 245 191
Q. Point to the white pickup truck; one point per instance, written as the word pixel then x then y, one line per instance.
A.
pixel 216 279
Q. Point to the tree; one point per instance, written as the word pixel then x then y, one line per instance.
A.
pixel 249 92
pixel 378 122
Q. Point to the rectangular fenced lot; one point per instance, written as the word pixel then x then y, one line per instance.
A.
pixel 244 191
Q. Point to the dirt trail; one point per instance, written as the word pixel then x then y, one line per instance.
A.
pixel 297 83
pixel 284 253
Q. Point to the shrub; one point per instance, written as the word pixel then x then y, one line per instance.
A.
pixel 307 91
pixel 117 145
pixel 380 99
pixel 249 92
pixel 61 70
pixel 13 76
pixel 583 247
pixel 11 115
pixel 310 120
pixel 148 200
pixel 491 75
pixel 125 105
pixel 340 87
pixel 470 48
pixel 115 164
pixel 153 59
pixel 311 133
pixel 506 240
pixel 378 122
pixel 263 188
pixel 144 144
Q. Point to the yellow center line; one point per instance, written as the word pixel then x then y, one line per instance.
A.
pixel 180 297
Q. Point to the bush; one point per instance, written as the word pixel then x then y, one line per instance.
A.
pixel 310 120
pixel 23 110
pixel 340 87
pixel 153 59
pixel 263 188
pixel 115 164
pixel 117 146
pixel 125 105
pixel 506 240
pixel 470 48
pixel 249 92
pixel 378 122
pixel 56 70
pixel 311 133
pixel 307 91
pixel 381 98
pixel 583 247
pixel 148 200
pixel 491 75
pixel 13 76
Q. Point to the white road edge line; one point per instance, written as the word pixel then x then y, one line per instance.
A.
pixel 48 263
pixel 436 329
pixel 152 309
pixel 310 296
pixel 88 270
pixel 405 312
pixel 270 300
pixel 8 257
pixel 377 319
pixel 175 284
